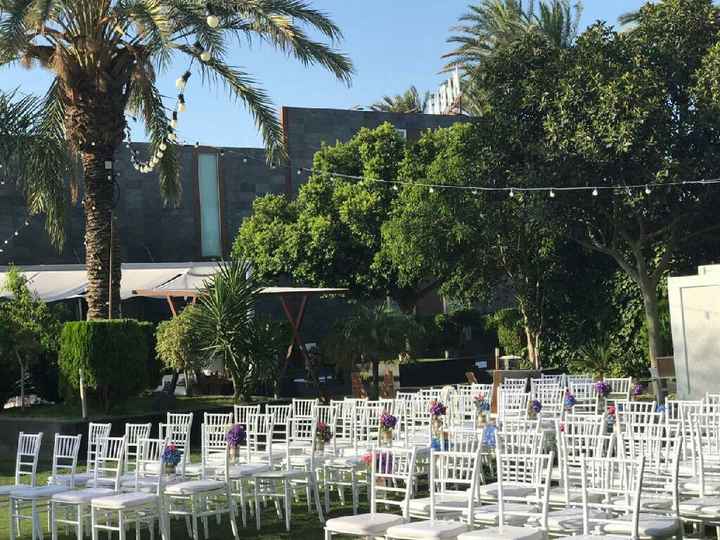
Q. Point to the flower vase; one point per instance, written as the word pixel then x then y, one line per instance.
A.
pixel 320 445
pixel 233 454
pixel 386 437
pixel 437 427
pixel 169 469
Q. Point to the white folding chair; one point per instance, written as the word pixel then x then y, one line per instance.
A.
pixel 26 462
pixel 303 408
pixel 133 434
pixel 242 413
pixel 177 430
pixel 280 413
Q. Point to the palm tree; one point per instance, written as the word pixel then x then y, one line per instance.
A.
pixel 493 23
pixel 408 102
pixel 105 55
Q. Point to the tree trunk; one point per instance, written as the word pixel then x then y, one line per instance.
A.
pixel 22 380
pixel 237 386
pixel 652 322
pixel 173 382
pixel 376 378
pixel 95 122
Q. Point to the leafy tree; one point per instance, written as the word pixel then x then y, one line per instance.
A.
pixel 105 55
pixel 490 24
pixel 411 101
pixel 28 328
pixel 370 335
pixel 330 236
pixel 177 346
pixel 268 353
pixel 635 108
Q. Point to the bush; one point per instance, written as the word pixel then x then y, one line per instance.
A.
pixel 113 355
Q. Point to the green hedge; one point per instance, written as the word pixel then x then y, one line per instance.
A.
pixel 113 355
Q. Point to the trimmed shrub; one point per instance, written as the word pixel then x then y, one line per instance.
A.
pixel 113 355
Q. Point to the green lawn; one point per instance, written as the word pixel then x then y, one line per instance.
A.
pixel 129 407
pixel 304 526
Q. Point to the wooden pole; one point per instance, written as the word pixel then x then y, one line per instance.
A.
pixel 82 395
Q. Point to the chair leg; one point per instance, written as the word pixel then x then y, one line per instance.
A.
pixel 80 523
pixel 231 511
pixel 326 490
pixel 313 485
pixel 328 535
pixel 121 525
pixel 35 520
pixel 288 504
pixel 354 488
pixel 14 529
pixel 257 504
pixel 193 510
pixel 93 529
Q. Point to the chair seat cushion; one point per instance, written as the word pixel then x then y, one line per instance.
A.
pixel 81 496
pixel 279 475
pixel 507 533
pixel 244 470
pixel 559 497
pixel 194 486
pixel 79 480
pixel 693 485
pixel 647 504
pixel 427 530
pixel 345 462
pixel 591 537
pixel 444 502
pixel 488 514
pixel 363 524
pixel 650 525
pixel 490 491
pixel 124 500
pixel 569 519
pixel 40 492
pixel 701 505
pixel 9 488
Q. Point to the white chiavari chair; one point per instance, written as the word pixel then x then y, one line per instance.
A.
pixel 391 484
pixel 281 414
pixel 304 408
pixel 241 413
pixel 208 496
pixel 512 403
pixel 26 462
pixel 26 503
pixel 586 398
pixel 72 508
pixel 177 430
pixel 133 434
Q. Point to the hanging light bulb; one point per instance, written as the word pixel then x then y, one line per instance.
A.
pixel 474 191
pixel 552 194
pixel 205 56
pixel 648 191
pixel 432 190
pixel 395 187
pixel 512 192
pixel 244 160
pixel 182 81
pixel 160 154
pixel 163 146
pixel 181 103
pixel 212 20
pixel 222 153
pixel 595 192
pixel 299 171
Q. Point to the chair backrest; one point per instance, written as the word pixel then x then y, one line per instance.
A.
pixel 65 457
pixel 637 416
pixel 280 414
pixel 219 419
pixel 214 460
pixel 530 470
pixel 149 466
pixel 96 433
pixel 26 458
pixel 521 442
pixel 457 472
pixel 705 447
pixel 551 397
pixel 514 384
pixel 260 438
pixel 463 439
pixel 303 407
pixel 177 431
pixel 133 434
pixel 242 413
pixel 619 388
pixel 510 424
pixel 512 403
pixel 392 478
pixel 109 461
pixel 586 397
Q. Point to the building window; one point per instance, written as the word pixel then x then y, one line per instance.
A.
pixel 209 191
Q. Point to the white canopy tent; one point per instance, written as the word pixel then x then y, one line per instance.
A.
pixel 52 283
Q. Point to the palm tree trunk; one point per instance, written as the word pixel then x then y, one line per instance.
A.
pixel 103 269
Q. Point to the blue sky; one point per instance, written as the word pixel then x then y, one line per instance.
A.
pixel 393 43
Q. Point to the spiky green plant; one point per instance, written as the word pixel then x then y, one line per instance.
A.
pixel 105 55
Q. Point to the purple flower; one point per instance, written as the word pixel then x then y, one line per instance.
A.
pixel 602 388
pixel 638 389
pixel 388 421
pixel 437 408
pixel 570 400
pixel 536 406
pixel 236 436
pixel 171 455
pixel 323 432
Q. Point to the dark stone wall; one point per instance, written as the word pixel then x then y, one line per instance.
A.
pixel 152 231
pixel 149 229
pixel 307 129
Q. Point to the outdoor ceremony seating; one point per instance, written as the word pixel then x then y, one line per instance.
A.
pixel 633 471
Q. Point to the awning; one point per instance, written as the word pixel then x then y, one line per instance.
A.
pixel 52 283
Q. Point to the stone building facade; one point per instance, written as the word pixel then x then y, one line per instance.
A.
pixel 219 187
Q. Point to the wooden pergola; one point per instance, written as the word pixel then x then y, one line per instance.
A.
pixel 285 294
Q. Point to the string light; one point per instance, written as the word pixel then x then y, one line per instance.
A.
pixel 212 20
pixel 552 194
pixel 648 191
pixel 595 192
pixel 15 234
pixel 181 103
pixel 512 192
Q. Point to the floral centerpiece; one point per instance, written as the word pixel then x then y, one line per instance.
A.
pixel 387 425
pixel 569 401
pixel 171 457
pixel 323 435
pixel 437 411
pixel 482 406
pixel 611 411
pixel 638 390
pixel 603 388
pixel 236 436
pixel 534 408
